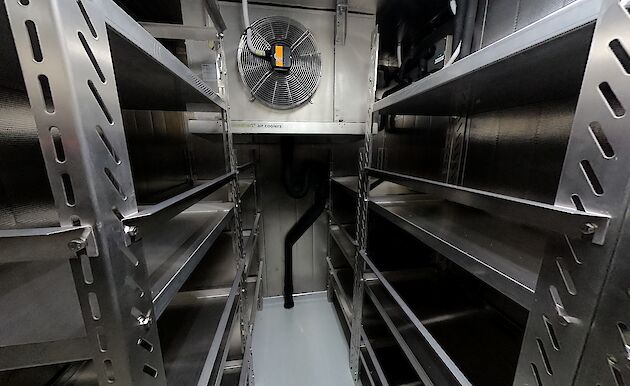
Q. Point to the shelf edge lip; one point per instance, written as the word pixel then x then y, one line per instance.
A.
pixel 124 24
pixel 346 188
pixel 165 294
pixel 247 362
pixel 45 244
pixel 179 31
pixel 446 362
pixel 343 303
pixel 39 354
pixel 245 166
pixel 222 328
pixel 574 16
pixel 337 236
pixel 538 215
pixel 173 206
pixel 377 365
pixel 251 243
pixel 515 289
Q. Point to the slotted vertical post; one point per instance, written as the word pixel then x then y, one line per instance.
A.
pixel 572 334
pixel 66 62
pixel 365 157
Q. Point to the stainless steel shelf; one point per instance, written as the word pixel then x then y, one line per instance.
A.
pixel 505 255
pixel 451 335
pixel 349 184
pixel 441 367
pixel 342 288
pixel 156 215
pixel 223 193
pixel 543 216
pixel 192 334
pixel 44 244
pixel 174 250
pixel 145 70
pixel 195 328
pixel 344 241
pixel 501 75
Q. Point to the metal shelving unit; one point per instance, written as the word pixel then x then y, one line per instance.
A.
pixel 515 291
pixel 143 286
pixel 544 44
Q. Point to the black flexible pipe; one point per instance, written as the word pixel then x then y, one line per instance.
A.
pixel 460 19
pixel 298 181
pixel 294 234
pixel 469 27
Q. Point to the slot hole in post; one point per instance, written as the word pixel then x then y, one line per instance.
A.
pixel 625 338
pixel 543 355
pixel 150 370
pixel 145 344
pixel 591 177
pixel 107 144
pixel 109 371
pixel 621 54
pixel 100 101
pixel 60 153
pixel 115 183
pixel 90 55
pixel 611 98
pixel 68 190
pixel 33 37
pixel 552 333
pixel 102 339
pixel 86 268
pixel 577 201
pixel 46 93
pixel 88 21
pixel 536 375
pixel 95 308
pixel 566 277
pixel 616 373
pixel 602 141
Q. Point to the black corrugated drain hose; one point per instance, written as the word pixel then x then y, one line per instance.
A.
pixel 313 174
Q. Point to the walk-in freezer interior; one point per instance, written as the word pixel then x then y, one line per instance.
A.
pixel 302 192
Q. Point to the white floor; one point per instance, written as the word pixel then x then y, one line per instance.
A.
pixel 304 346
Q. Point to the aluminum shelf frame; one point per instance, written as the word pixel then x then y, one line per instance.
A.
pixel 142 40
pixel 337 287
pixel 443 370
pixel 81 64
pixel 45 244
pixel 553 218
pixel 156 215
pixel 344 241
pixel 504 255
pixel 187 359
pixel 462 86
pixel 193 232
pixel 212 314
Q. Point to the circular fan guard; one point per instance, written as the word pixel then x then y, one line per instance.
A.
pixel 280 90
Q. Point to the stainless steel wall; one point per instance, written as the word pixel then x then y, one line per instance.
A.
pixel 280 211
pixel 499 18
pixel 517 151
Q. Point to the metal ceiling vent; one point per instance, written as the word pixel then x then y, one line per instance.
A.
pixel 289 72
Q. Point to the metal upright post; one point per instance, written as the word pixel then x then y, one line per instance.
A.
pixel 67 67
pixel 235 191
pixel 365 157
pixel 577 331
